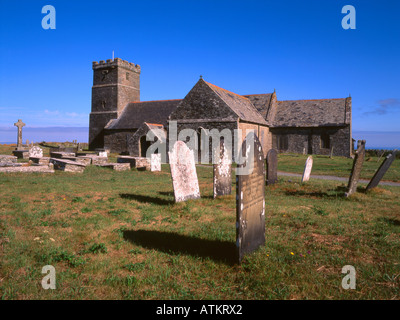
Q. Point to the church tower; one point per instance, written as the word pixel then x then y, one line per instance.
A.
pixel 115 84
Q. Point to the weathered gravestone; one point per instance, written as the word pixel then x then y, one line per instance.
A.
pixel 35 152
pixel 307 169
pixel 356 170
pixel 382 170
pixel 183 172
pixel 272 167
pixel 222 172
pixel 250 199
pixel 155 162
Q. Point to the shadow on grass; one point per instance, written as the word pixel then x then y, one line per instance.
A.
pixel 168 242
pixel 335 193
pixel 146 199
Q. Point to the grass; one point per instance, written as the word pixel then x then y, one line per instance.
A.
pixel 119 235
pixel 337 166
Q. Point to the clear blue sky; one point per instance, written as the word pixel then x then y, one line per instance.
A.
pixel 297 47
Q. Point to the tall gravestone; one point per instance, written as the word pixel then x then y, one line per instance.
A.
pixel 250 200
pixel 183 172
pixel 307 169
pixel 382 170
pixel 19 125
pixel 155 162
pixel 222 172
pixel 356 170
pixel 272 167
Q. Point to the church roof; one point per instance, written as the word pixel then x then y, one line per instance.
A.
pixel 135 113
pixel 240 105
pixel 261 102
pixel 311 113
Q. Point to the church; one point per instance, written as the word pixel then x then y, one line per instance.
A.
pixel 119 121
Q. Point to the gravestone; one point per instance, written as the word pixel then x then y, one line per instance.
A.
pixel 35 152
pixel 67 165
pixel 382 170
pixel 140 163
pixel 250 200
pixel 19 125
pixel 40 160
pixel 272 167
pixel 7 159
pixel 183 172
pixel 222 172
pixel 155 162
pixel 307 169
pixel 116 166
pixel 356 170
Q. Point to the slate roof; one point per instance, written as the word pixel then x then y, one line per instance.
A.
pixel 241 105
pixel 310 113
pixel 135 113
pixel 261 102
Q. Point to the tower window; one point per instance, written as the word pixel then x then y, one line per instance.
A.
pixel 325 141
pixel 127 76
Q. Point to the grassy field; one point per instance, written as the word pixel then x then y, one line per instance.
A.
pixel 119 235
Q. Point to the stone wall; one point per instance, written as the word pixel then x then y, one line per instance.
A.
pixel 117 140
pixel 310 140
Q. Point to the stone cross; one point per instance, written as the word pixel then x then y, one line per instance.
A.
pixel 222 172
pixel 19 124
pixel 272 167
pixel 183 172
pixel 382 170
pixel 307 169
pixel 356 170
pixel 250 202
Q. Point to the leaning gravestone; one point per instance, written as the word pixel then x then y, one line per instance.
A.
pixel 183 172
pixel 35 152
pixel 222 172
pixel 382 170
pixel 356 170
pixel 250 199
pixel 307 169
pixel 155 162
pixel 272 167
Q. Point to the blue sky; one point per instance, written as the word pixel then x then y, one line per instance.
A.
pixel 298 48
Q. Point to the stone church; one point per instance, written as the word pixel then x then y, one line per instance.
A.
pixel 119 121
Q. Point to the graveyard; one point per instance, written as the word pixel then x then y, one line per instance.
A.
pixel 122 235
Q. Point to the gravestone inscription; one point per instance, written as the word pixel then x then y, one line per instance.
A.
pixel 250 200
